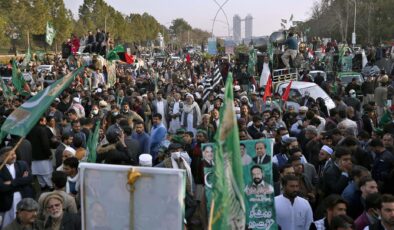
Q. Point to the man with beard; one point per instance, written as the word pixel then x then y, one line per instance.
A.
pixel 258 186
pixel 292 211
pixel 56 217
pixel 335 206
pixel 386 213
pixel 26 216
pixel 141 136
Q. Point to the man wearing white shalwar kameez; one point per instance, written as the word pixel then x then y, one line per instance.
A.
pixel 191 115
pixel 292 211
pixel 265 73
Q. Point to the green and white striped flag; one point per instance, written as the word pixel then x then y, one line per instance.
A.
pixel 26 116
pixel 228 207
pixel 50 34
pixel 27 58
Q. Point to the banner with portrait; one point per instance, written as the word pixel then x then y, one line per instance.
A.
pixel 259 193
pixel 153 192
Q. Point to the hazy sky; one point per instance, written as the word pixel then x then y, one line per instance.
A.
pixel 267 14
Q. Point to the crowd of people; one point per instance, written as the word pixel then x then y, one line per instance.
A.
pixel 332 169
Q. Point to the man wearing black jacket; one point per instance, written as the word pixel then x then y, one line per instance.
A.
pixel 15 184
pixel 39 138
pixel 336 177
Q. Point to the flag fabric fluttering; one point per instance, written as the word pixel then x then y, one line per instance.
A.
pixel 286 94
pixel 129 58
pixel 252 61
pixel 7 93
pixel 268 89
pixel 227 197
pixel 92 144
pixel 113 54
pixel 50 34
pixel 26 116
pixel 27 58
pixel 217 77
pixel 17 80
pixel 270 50
pixel 207 88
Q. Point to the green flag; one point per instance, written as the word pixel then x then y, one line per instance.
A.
pixel 17 80
pixel 113 54
pixel 385 119
pixel 92 144
pixel 26 116
pixel 7 94
pixel 252 61
pixel 50 34
pixel 27 58
pixel 227 197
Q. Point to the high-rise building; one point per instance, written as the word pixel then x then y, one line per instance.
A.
pixel 237 28
pixel 248 26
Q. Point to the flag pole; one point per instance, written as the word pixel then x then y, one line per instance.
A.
pixel 12 150
pixel 28 39
pixel 211 214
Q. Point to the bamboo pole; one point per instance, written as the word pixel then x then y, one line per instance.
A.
pixel 11 151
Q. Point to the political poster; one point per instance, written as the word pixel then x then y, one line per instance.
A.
pixel 156 193
pixel 212 50
pixel 229 46
pixel 259 195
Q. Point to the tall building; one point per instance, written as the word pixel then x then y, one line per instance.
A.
pixel 237 28
pixel 248 26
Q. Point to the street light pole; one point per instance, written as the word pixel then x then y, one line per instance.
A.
pixel 354 26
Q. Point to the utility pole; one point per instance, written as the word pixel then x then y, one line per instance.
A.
pixel 354 26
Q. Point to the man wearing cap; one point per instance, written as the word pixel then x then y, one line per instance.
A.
pixel 76 105
pixel 15 184
pixel 26 216
pixel 191 114
pixel 56 218
pixel 324 160
pixel 176 160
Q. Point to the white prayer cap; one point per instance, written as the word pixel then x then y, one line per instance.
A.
pixel 190 95
pixel 327 149
pixel 70 150
pixel 145 160
pixel 76 100
pixel 303 108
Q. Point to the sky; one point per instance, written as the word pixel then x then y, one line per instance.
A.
pixel 267 14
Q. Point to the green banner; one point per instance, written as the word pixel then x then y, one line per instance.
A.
pixel 50 34
pixel 259 191
pixel 26 116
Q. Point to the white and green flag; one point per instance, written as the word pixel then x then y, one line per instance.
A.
pixel 27 58
pixel 50 34
pixel 25 117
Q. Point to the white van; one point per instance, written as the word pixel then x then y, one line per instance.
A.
pixel 298 89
